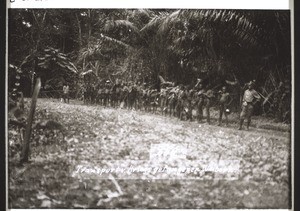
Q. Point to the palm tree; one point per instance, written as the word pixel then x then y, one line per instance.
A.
pixel 184 44
pixel 222 41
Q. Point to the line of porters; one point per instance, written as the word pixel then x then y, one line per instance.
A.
pixel 178 101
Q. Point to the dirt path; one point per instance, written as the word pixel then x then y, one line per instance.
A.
pixel 104 138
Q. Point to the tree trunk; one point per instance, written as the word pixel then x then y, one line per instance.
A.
pixel 79 32
pixel 89 25
pixel 32 82
pixel 25 149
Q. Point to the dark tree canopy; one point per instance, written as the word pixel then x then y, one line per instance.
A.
pixel 140 44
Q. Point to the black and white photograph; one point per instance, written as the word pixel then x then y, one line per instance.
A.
pixel 149 108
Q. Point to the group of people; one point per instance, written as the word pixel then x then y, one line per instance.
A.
pixel 186 103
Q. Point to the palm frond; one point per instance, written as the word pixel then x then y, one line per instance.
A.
pixel 113 40
pixel 110 25
pixel 154 23
pixel 95 50
pixel 88 72
pixel 242 27
pixel 167 22
pixel 53 55
pixel 145 12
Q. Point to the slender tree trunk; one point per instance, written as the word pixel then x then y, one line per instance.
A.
pixel 32 82
pixel 79 32
pixel 89 25
pixel 25 150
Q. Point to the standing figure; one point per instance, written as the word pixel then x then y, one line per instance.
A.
pixel 200 103
pixel 180 101
pixel 88 93
pixel 66 93
pixel 125 93
pixel 190 99
pixel 106 93
pixel 113 95
pixel 207 103
pixel 184 104
pixel 119 94
pixel 84 93
pixel 224 101
pixel 93 93
pixel 172 101
pixel 100 95
pixel 132 96
pixel 250 98
pixel 163 100
pixel 236 92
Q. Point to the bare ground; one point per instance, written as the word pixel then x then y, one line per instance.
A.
pixel 98 136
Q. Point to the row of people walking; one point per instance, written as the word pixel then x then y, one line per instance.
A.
pixel 178 101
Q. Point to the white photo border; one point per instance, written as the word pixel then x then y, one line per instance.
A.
pixel 170 4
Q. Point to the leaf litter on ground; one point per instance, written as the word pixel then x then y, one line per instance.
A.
pixel 101 136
